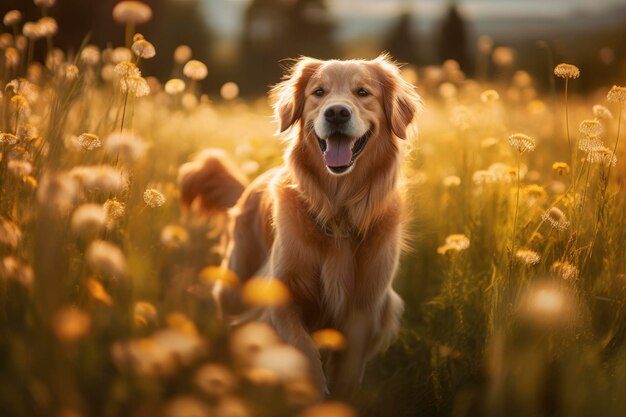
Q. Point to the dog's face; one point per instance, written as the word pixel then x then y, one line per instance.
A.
pixel 344 107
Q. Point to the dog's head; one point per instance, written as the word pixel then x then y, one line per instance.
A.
pixel 346 108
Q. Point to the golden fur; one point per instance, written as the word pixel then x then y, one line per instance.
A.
pixel 334 240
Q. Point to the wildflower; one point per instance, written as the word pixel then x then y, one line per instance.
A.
pixel 185 347
pixel 120 55
pixel 143 49
pixel 489 96
pixel 129 146
pixel 329 339
pixel 561 168
pixel 602 112
pixel 47 26
pixel 455 242
pixel 590 144
pixel 145 313
pixel 602 156
pixel 285 361
pixel 565 270
pixel 89 141
pixel 14 270
pixel 230 407
pixel 88 218
pixel 100 177
pixel 97 291
pixel 106 258
pixel 591 128
pixel 186 406
pixel 462 117
pixel 534 193
pixel 567 71
pixel 503 56
pixel 12 17
pixel 20 105
pixel 174 236
pixel 522 79
pixel 182 54
pixel 153 198
pixel 617 95
pixel 11 57
pixel 229 91
pixel 195 70
pixel 32 31
pixel 265 292
pixel 447 91
pixel 114 209
pixel 10 234
pixel 71 324
pixel 19 168
pixel 174 86
pixel 451 181
pixel 90 55
pixel 483 176
pixel 527 256
pixel 248 340
pixel 215 380
pixel 71 72
pixel 27 132
pixel 129 11
pixel 8 138
pixel 189 101
pixel 556 218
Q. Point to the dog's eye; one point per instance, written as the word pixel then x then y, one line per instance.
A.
pixel 363 92
pixel 318 92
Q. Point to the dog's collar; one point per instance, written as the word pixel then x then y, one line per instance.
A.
pixel 328 231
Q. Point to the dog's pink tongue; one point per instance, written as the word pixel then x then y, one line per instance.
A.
pixel 338 153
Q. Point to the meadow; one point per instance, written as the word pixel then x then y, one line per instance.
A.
pixel 514 282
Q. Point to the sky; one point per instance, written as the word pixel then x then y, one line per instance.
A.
pixel 367 17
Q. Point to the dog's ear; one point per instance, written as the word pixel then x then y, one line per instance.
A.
pixel 288 95
pixel 400 100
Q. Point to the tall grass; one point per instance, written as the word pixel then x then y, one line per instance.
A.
pixel 514 288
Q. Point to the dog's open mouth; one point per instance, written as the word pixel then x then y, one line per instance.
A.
pixel 340 151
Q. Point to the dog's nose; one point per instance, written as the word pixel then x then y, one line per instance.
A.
pixel 337 114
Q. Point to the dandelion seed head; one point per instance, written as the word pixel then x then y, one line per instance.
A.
pixel 182 54
pixel 143 49
pixel 567 71
pixel 88 219
pixel 503 56
pixel 617 94
pixel 101 177
pixel 195 70
pixel 556 218
pixel 483 176
pixel 130 11
pixel 12 17
pixel 189 101
pixel 153 198
pixel 601 112
pixel 71 324
pixel 107 259
pixel 248 340
pixel 119 55
pixel 591 128
pixel 32 30
pixel 561 168
pixel 284 361
pixel 174 86
pixel 590 144
pixel 564 270
pixel 135 85
pixel 127 69
pixel 47 26
pixel 58 192
pixel 90 55
pixel 527 256
pixel 89 141
pixel 522 143
pixel 602 156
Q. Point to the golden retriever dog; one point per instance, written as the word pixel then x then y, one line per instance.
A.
pixel 328 223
